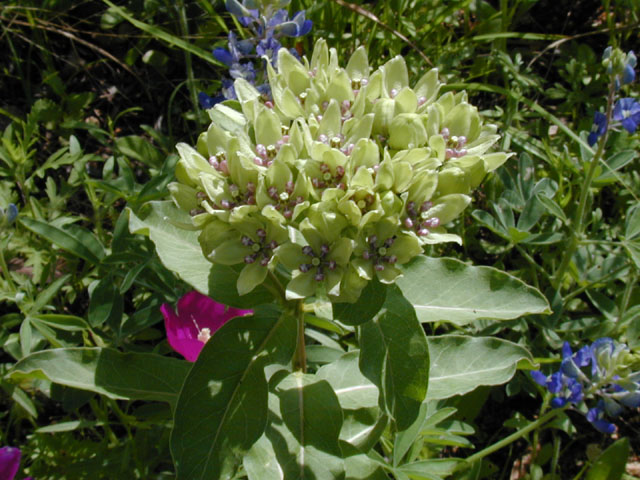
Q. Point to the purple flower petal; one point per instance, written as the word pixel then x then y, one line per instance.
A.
pixel 629 75
pixel 205 101
pixel 539 377
pixel 558 402
pixel 223 56
pixel 198 318
pixel 627 112
pixel 9 462
pixel 555 382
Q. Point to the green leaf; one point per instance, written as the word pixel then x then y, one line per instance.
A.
pixel 445 289
pixel 45 296
pixel 431 469
pixel 363 428
pixel 370 302
pixel 552 207
pixel 132 376
pixel 180 252
pixel 62 239
pixel 222 409
pixel 302 396
pixel 632 224
pixel 68 323
pixel 361 467
pixel 260 461
pixel 106 304
pixel 395 357
pixel 405 439
pixel 353 389
pixel 613 163
pixel 304 423
pixel 459 363
pixel 610 465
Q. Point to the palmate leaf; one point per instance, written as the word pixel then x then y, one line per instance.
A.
pixel 222 409
pixel 445 289
pixel 395 357
pixel 132 376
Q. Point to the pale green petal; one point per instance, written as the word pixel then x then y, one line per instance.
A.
pixel 448 207
pixel 396 76
pixel 428 86
pixel 341 251
pixel 405 247
pixel 250 277
pixel 388 274
pixel 358 66
pixel 291 256
pixel 230 252
pixel 302 285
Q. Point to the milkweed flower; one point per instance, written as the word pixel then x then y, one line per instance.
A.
pixel 197 319
pixel 343 176
pixel 10 463
pixel 602 372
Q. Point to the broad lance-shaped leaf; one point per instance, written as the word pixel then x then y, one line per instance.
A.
pixel 353 389
pixel 304 423
pixel 394 356
pixel 222 409
pixel 460 364
pixel 445 289
pixel 180 252
pixel 131 376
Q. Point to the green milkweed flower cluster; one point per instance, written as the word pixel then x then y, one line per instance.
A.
pixel 347 174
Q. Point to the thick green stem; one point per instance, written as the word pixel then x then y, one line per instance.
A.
pixel 300 359
pixel 578 220
pixel 469 461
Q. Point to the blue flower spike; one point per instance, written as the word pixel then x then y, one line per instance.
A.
pixel 620 66
pixel 600 372
pixel 267 21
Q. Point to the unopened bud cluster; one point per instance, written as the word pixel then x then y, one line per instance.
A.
pixel 345 175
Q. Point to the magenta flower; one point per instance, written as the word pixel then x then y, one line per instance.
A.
pixel 9 463
pixel 197 320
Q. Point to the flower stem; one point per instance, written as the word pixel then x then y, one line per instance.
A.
pixel 5 268
pixel 300 359
pixel 469 461
pixel 578 220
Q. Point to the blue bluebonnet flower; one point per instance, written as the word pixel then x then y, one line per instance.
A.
pixel 597 372
pixel 267 21
pixel 595 416
pixel 8 215
pixel 627 112
pixel 620 66
pixel 598 128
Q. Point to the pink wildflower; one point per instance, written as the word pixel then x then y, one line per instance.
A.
pixel 198 318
